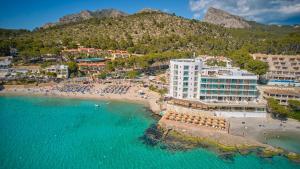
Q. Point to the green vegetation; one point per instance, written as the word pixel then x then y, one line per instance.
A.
pixel 216 63
pixel 280 111
pixel 73 68
pixel 132 74
pixel 294 106
pixel 163 79
pixel 242 59
pixel 51 74
pixel 162 91
pixel 146 61
pixel 257 67
pixel 102 75
pixel 154 32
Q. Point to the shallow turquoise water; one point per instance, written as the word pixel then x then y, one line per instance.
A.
pixel 50 133
pixel 287 140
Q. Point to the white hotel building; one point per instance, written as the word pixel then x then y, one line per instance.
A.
pixel 228 92
pixel 184 74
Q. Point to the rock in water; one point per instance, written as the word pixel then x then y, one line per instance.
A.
pixel 152 135
pixel 220 17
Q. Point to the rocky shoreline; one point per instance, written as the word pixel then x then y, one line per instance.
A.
pixel 174 140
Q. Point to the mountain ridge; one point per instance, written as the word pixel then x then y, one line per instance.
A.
pixel 152 32
pixel 225 19
pixel 85 15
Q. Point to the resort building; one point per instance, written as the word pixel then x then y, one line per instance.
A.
pixel 227 84
pixel 282 94
pixel 184 74
pixel 61 71
pixel 284 70
pixel 91 65
pixel 226 92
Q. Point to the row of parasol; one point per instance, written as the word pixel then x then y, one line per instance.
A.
pixel 218 123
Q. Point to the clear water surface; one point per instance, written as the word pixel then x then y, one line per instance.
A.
pixel 52 133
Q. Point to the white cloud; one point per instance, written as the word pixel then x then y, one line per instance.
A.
pixel 266 11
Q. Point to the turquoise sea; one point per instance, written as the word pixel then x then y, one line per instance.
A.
pixel 54 133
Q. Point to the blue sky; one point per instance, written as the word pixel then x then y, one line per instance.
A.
pixel 34 13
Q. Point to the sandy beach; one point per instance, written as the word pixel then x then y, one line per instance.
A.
pixel 149 98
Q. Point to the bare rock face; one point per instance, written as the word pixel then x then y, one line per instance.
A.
pixel 86 14
pixel 220 17
pixel 83 15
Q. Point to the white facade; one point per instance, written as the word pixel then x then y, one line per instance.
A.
pixel 184 74
pixel 60 70
pixel 220 86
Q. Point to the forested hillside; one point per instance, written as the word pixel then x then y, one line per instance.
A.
pixel 153 32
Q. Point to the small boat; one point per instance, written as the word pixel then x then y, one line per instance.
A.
pixel 96 105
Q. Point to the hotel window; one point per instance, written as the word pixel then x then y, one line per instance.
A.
pixel 196 78
pixel 195 84
pixel 185 73
pixel 186 67
pixel 185 84
pixel 184 95
pixel 203 86
pixel 196 67
pixel 185 78
pixel 176 66
pixel 203 80
pixel 185 89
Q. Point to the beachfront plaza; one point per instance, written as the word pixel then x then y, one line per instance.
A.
pixel 226 91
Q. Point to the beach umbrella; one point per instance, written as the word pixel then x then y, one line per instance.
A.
pixel 221 122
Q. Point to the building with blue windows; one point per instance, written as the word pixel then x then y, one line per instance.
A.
pixel 224 91
pixel 227 84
